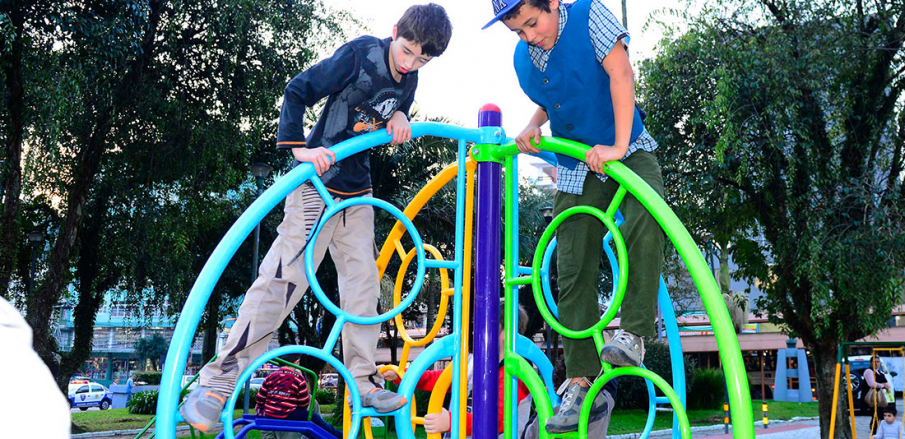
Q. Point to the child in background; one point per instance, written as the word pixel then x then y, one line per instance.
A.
pixel 889 428
pixel 285 395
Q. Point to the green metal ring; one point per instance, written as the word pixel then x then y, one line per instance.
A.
pixel 621 256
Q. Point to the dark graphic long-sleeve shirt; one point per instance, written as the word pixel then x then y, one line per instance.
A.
pixel 362 96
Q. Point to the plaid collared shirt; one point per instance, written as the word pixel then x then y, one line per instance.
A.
pixel 605 31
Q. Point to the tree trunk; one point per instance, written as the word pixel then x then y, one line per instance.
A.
pixel 11 170
pixel 394 343
pixel 723 273
pixel 211 327
pixel 85 314
pixel 40 307
pixel 91 289
pixel 825 367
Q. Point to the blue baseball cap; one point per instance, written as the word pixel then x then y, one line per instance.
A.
pixel 500 8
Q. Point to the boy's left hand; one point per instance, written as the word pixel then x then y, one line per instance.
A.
pixel 599 155
pixel 437 422
pixel 399 128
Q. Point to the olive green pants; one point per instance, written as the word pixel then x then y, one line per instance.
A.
pixel 579 252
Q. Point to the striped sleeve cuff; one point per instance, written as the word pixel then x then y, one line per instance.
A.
pixel 290 145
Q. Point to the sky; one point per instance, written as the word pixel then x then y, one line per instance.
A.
pixel 477 66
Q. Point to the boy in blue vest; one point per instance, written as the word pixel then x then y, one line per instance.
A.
pixel 369 84
pixel 573 64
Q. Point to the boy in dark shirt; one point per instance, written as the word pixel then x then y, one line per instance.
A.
pixel 285 395
pixel 572 63
pixel 369 85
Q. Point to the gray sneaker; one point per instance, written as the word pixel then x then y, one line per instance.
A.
pixel 566 419
pixel 625 349
pixel 382 400
pixel 202 408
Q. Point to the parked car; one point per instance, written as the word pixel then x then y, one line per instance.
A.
pixel 256 383
pixel 85 396
pixel 77 379
pixel 857 366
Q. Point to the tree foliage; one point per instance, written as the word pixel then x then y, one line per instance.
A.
pixel 142 119
pixel 151 348
pixel 781 129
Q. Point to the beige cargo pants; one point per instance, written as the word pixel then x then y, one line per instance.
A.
pixel 280 285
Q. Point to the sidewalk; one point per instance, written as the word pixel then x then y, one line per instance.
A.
pixel 803 430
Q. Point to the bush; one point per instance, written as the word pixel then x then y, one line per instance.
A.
pixel 709 389
pixel 152 378
pixel 143 403
pixel 252 398
pixel 632 393
pixel 325 396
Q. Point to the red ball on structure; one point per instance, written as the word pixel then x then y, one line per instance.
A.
pixel 490 107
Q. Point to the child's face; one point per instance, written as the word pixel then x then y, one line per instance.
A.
pixel 536 26
pixel 889 418
pixel 407 56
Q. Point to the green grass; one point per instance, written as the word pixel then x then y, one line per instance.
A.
pixel 632 421
pixel 113 419
pixel 626 421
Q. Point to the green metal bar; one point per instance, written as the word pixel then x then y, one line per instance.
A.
pixel 727 342
pixel 186 386
pixel 521 369
pixel 523 280
pixel 511 260
pixel 684 426
pixel 621 256
pixel 616 202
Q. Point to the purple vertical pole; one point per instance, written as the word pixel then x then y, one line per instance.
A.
pixel 487 290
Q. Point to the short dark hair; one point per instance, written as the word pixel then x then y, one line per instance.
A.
pixel 892 410
pixel 292 358
pixel 543 5
pixel 522 318
pixel 427 25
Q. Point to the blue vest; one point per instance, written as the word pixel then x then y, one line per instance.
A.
pixel 575 90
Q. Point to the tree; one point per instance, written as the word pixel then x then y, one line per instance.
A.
pixel 781 126
pixel 151 348
pixel 124 80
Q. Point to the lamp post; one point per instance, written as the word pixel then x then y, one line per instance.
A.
pixel 35 238
pixel 547 213
pixel 260 171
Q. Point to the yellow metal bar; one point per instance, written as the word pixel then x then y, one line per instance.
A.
pixel 397 298
pixel 851 402
pixel 835 399
pixel 438 395
pixel 470 167
pixel 415 206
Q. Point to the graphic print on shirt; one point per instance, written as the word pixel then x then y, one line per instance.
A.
pixel 373 114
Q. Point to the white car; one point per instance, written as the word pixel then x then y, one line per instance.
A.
pixel 256 383
pixel 84 396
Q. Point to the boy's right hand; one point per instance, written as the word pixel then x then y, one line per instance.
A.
pixel 524 139
pixel 322 158
pixel 390 375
